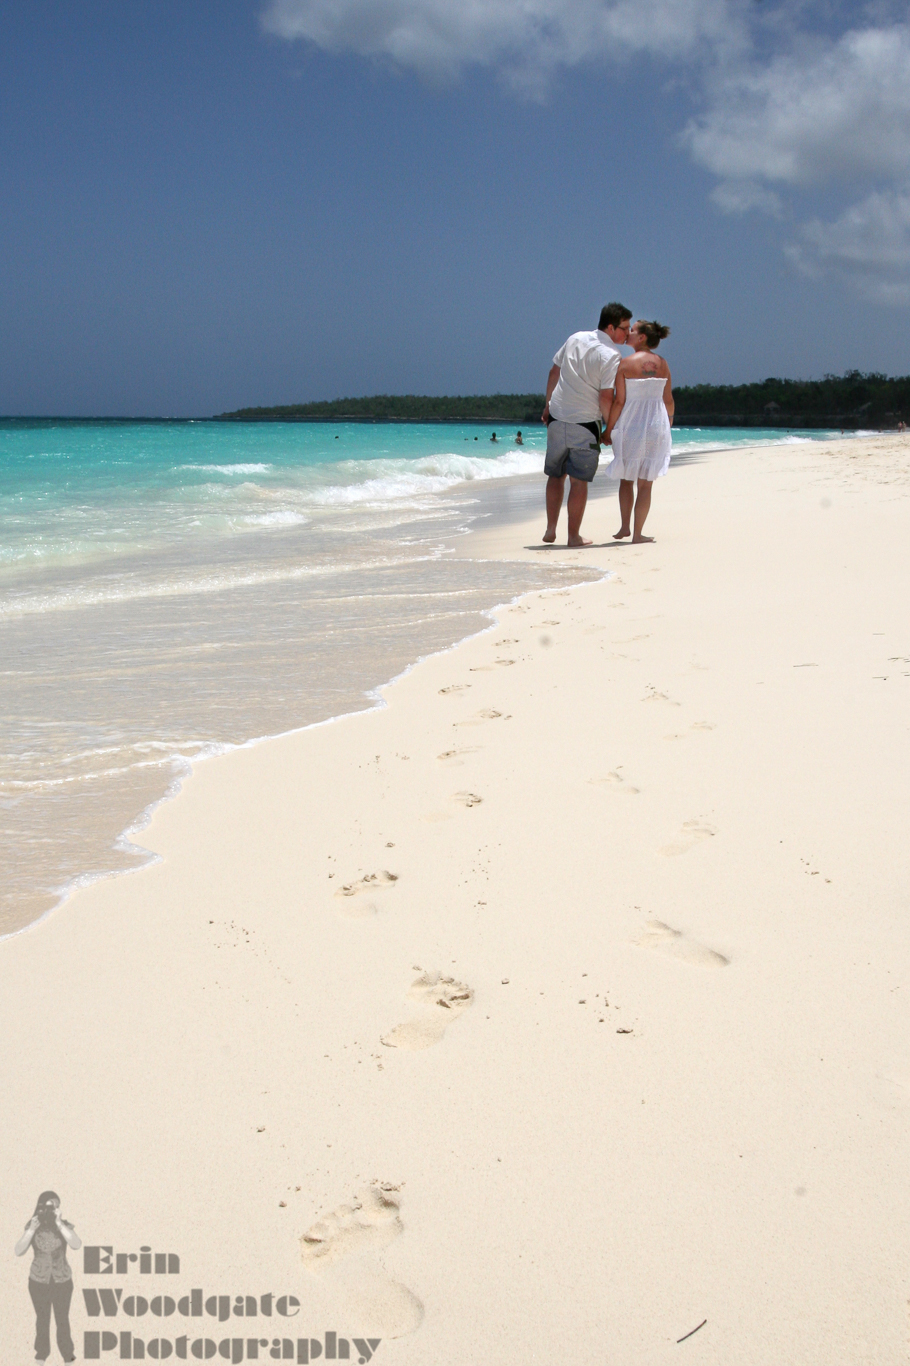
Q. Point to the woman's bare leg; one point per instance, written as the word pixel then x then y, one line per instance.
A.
pixel 626 499
pixel 642 508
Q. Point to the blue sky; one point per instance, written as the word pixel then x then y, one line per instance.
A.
pixel 210 205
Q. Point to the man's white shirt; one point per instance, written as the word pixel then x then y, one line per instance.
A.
pixel 587 362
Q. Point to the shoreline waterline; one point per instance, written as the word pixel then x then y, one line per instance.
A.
pixel 126 840
pixel 132 661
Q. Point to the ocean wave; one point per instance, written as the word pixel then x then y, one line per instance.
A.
pixel 285 518
pixel 381 481
pixel 130 590
pixel 755 437
pixel 230 469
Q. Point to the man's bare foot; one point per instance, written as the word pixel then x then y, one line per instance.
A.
pixel 577 541
pixel 640 540
pixel 549 536
pixel 623 531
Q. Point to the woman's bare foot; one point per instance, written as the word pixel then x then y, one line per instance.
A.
pixel 549 536
pixel 623 531
pixel 640 540
pixel 578 541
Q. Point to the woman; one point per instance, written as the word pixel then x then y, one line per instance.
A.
pixel 50 1280
pixel 639 426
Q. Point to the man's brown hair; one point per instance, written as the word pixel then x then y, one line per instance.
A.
pixel 613 315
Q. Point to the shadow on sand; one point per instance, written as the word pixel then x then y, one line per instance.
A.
pixel 597 545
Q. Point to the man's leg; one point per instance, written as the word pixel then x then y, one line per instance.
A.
pixel 642 508
pixel 555 486
pixel 578 499
pixel 626 499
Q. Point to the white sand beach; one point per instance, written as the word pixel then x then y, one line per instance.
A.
pixel 563 1001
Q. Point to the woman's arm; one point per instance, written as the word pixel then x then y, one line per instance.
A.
pixel 619 400
pixel 25 1241
pixel 669 401
pixel 69 1234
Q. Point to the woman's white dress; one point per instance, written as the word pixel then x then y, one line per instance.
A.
pixel 641 437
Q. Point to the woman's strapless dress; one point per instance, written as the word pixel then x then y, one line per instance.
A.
pixel 641 437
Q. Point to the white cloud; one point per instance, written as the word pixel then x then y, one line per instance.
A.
pixel 739 196
pixel 818 111
pixel 869 245
pixel 521 37
pixel 829 113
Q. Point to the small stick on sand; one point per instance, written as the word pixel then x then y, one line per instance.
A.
pixel 694 1330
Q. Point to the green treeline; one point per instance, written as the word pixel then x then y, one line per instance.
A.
pixel 850 400
pixel 403 408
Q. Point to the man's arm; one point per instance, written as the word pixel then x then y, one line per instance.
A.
pixel 605 398
pixel 552 381
pixel 609 397
pixel 618 405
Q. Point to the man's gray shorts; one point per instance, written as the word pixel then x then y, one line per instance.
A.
pixel 572 450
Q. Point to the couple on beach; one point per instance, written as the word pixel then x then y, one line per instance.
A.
pixel 596 396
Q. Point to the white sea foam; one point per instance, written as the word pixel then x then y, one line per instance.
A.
pixel 285 518
pixel 131 590
pixel 384 481
pixel 230 469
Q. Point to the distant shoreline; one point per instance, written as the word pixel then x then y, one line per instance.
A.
pixel 850 402
pixel 736 420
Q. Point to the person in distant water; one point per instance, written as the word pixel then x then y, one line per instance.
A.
pixel 519 439
pixel 901 426
pixel 579 395
pixel 50 1279
pixel 639 426
pixel 493 437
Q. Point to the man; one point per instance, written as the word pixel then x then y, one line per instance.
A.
pixel 579 394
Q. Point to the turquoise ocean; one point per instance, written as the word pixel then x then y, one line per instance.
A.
pixel 168 590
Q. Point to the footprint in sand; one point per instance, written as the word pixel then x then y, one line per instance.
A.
pixel 468 799
pixel 441 1000
pixel 615 782
pixel 453 757
pixel 343 1248
pixel 665 939
pixel 652 695
pixel 692 833
pixel 703 725
pixel 370 882
pixel 487 715
pixel 455 687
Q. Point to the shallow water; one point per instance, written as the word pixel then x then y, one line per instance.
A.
pixel 170 589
